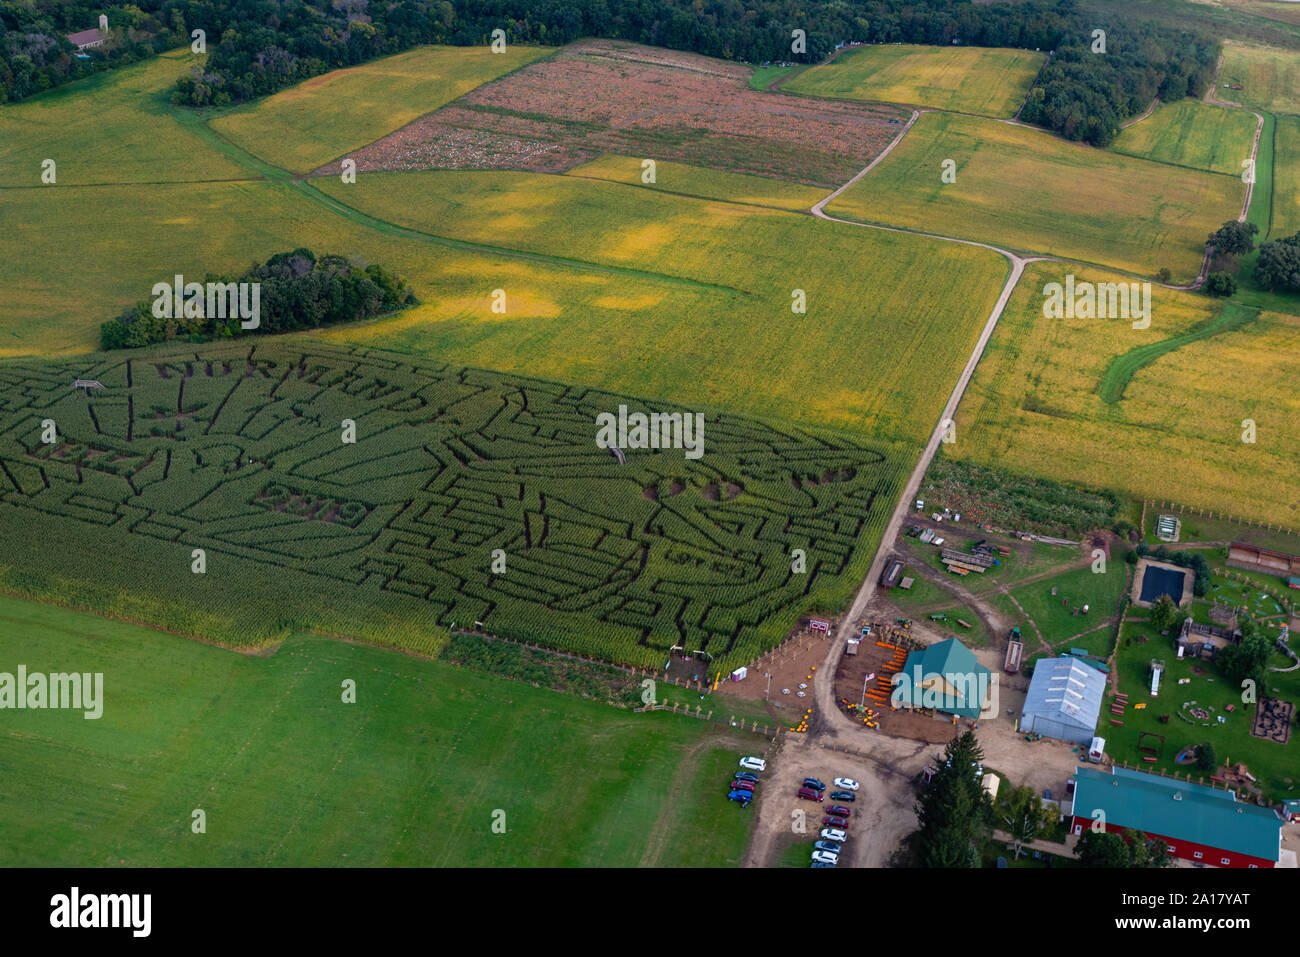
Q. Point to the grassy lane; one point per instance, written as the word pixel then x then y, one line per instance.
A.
pixel 1122 368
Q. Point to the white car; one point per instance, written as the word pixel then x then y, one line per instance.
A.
pixel 847 784
pixel 753 764
pixel 834 834
pixel 825 857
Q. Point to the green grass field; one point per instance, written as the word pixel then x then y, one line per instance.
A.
pixel 701 183
pixel 981 80
pixel 1035 404
pixel 114 127
pixel 323 118
pixel 1025 189
pixel 1269 77
pixel 1192 133
pixel 1286 178
pixel 414 773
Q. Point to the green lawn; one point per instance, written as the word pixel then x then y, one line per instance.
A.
pixel 1269 761
pixel 1101 592
pixel 981 80
pixel 413 774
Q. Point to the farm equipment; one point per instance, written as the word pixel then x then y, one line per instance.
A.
pixel 904 622
pixel 964 624
pixel 940 616
pixel 1033 736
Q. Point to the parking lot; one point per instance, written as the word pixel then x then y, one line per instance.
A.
pixel 882 814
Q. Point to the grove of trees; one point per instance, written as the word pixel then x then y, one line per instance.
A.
pixel 297 291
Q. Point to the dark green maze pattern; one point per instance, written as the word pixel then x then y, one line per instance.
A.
pixel 237 449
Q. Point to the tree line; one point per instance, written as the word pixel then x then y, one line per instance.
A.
pixel 295 290
pixel 256 47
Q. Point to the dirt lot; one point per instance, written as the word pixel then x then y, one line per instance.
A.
pixel 605 96
pixel 790 666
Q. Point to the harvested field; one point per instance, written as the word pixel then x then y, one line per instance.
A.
pixel 600 96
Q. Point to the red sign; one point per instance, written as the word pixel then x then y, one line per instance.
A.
pixel 816 624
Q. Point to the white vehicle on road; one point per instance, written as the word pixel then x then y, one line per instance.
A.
pixel 847 784
pixel 753 764
pixel 834 834
pixel 825 857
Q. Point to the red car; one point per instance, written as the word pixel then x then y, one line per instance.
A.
pixel 835 822
pixel 808 794
pixel 742 785
pixel 838 809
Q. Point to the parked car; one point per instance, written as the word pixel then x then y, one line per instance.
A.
pixel 746 776
pixel 833 820
pixel 742 786
pixel 744 797
pixel 813 783
pixel 825 857
pixel 841 811
pixel 832 846
pixel 843 796
pixel 847 784
pixel 820 864
pixel 753 764
pixel 808 794
pixel 834 834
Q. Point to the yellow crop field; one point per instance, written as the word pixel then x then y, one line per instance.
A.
pixel 987 81
pixel 703 183
pixel 1269 77
pixel 1286 177
pixel 1034 192
pixel 1034 405
pixel 1192 133
pixel 110 128
pixel 320 119
pixel 846 362
pixel 605 285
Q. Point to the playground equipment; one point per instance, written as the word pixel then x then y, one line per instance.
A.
pixel 1157 669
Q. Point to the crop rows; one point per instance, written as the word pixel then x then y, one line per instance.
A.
pixel 239 451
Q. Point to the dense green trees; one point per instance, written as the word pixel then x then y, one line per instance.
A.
pixel 1278 265
pixel 296 290
pixel 1127 848
pixel 259 46
pixel 1234 237
pixel 955 813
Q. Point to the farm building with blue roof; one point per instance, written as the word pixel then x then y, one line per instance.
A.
pixel 1064 700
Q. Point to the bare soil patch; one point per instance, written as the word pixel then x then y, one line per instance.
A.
pixel 602 96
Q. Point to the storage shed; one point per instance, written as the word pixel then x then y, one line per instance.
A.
pixel 1064 700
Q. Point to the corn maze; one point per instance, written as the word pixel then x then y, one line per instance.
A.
pixel 468 496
